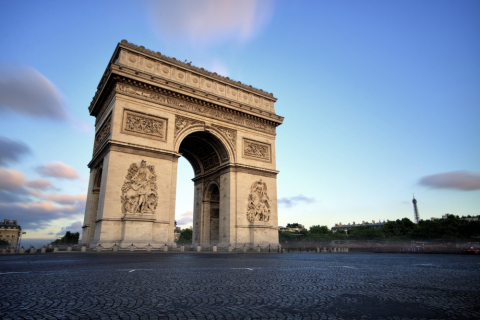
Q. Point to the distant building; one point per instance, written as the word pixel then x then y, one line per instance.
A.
pixel 292 227
pixel 345 227
pixel 177 232
pixel 10 231
pixel 468 218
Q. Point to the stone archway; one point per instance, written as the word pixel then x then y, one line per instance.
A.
pixel 208 155
pixel 150 110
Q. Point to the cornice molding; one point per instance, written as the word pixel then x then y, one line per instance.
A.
pixel 116 67
pixel 189 66
pixel 140 90
pixel 131 148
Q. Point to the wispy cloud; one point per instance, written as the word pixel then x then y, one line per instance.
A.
pixel 38 215
pixel 203 21
pixel 39 184
pixel 185 218
pixel 22 200
pixel 66 198
pixel 23 89
pixel 460 180
pixel 58 170
pixel 293 201
pixel 74 227
pixel 11 179
pixel 11 151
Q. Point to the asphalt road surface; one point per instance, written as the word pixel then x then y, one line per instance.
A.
pixel 239 286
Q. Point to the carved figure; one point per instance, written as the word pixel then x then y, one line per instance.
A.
pixel 258 207
pixel 146 125
pixel 139 191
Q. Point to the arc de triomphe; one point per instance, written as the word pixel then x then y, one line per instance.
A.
pixel 150 110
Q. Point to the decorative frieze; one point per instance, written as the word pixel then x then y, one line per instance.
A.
pixel 144 125
pixel 258 208
pixel 103 133
pixel 182 123
pixel 215 113
pixel 257 150
pixel 230 134
pixel 139 191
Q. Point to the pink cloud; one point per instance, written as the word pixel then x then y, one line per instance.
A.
pixel 210 20
pixel 11 179
pixel 36 215
pixel 39 184
pixel 460 180
pixel 185 218
pixel 23 89
pixel 58 170
pixel 66 198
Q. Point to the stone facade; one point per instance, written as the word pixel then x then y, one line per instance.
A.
pixel 150 110
pixel 10 231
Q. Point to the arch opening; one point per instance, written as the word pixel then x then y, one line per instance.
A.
pixel 206 153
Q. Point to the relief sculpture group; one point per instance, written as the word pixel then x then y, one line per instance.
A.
pixel 258 206
pixel 139 191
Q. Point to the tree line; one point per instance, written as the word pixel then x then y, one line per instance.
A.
pixel 452 228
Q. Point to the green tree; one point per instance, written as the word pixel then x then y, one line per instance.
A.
pixel 185 236
pixel 4 243
pixel 399 228
pixel 317 229
pixel 292 225
pixel 284 236
pixel 367 233
pixel 68 238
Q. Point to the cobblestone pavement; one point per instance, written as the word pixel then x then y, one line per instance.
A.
pixel 239 286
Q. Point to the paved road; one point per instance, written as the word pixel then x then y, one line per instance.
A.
pixel 239 286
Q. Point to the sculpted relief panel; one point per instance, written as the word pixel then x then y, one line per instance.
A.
pixel 103 133
pixel 258 207
pixel 196 108
pixel 230 134
pixel 144 125
pixel 182 123
pixel 139 191
pixel 256 150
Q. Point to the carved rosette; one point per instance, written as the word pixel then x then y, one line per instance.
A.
pixel 182 123
pixel 258 208
pixel 139 191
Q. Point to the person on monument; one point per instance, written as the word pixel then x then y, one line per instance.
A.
pixel 142 201
pixel 142 174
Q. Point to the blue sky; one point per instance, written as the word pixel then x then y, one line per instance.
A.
pixel 381 99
